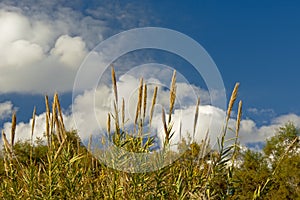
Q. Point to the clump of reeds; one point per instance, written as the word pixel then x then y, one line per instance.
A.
pixel 65 169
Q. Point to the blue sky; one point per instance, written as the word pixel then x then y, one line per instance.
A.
pixel 255 43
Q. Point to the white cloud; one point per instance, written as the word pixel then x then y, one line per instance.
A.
pixel 287 118
pixel 47 28
pixel 210 119
pixel 6 109
pixel 27 62
pixel 16 50
pixel 89 114
pixel 23 129
pixel 21 53
pixel 87 120
pixel 250 132
pixel 70 51
pixel 42 44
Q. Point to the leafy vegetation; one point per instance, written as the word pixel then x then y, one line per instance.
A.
pixel 62 168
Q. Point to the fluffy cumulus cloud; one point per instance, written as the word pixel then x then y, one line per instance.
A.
pixel 251 133
pixel 16 50
pixel 6 109
pixel 23 129
pixel 42 44
pixel 69 50
pixel 33 50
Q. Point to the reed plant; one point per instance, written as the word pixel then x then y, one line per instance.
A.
pixel 64 168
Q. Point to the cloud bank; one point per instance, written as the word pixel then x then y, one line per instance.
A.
pixel 89 114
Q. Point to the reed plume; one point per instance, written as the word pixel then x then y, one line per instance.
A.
pixel 59 111
pixel 237 129
pixel 33 124
pixel 117 124
pixel 47 106
pixel 7 146
pixel 47 131
pixel 123 113
pixel 172 95
pixel 145 102
pixel 108 124
pixel 47 121
pixel 165 126
pixel 52 121
pixel 153 104
pixel 55 121
pixel 139 103
pixel 196 117
pixel 238 120
pixel 232 100
pixel 114 82
pixel 13 128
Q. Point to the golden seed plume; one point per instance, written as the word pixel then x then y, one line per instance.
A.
pixel 52 121
pixel 145 101
pixel 180 129
pixel 172 95
pixel 13 128
pixel 47 106
pixel 47 130
pixel 196 117
pixel 232 100
pixel 55 121
pixel 108 123
pixel 33 123
pixel 47 120
pixel 123 113
pixel 153 103
pixel 117 127
pixel 165 125
pixel 6 145
pixel 59 111
pixel 139 104
pixel 114 82
pixel 238 120
pixel 140 96
pixel 47 117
